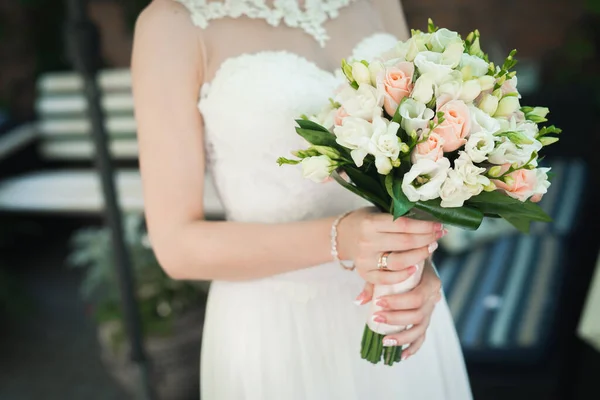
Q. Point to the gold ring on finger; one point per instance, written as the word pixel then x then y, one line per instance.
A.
pixel 382 264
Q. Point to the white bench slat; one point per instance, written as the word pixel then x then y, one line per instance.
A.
pixel 115 125
pixel 16 139
pixel 76 104
pixel 79 191
pixel 108 80
pixel 71 150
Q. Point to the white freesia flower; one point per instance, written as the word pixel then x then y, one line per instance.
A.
pixel 453 54
pixel 507 106
pixel 429 62
pixel 365 103
pixel 317 168
pixel 425 178
pixel 416 44
pixel 542 185
pixel 507 152
pixel 453 191
pixel 396 53
pixel 360 73
pixel 477 67
pixel 355 134
pixel 450 87
pixel 470 90
pixel 375 68
pixel 481 121
pixel 441 38
pixel 415 115
pixel 479 145
pixel 385 144
pixel 325 118
pixel 470 174
pixel 423 89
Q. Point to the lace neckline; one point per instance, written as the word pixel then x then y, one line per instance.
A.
pixel 309 18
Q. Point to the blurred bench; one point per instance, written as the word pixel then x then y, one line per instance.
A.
pixel 62 136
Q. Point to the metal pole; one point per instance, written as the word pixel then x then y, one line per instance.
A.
pixel 82 41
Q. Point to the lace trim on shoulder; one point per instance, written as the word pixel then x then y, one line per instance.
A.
pixel 310 18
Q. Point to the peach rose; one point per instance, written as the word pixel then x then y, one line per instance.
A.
pixel 395 83
pixel 520 184
pixel 339 116
pixel 456 126
pixel 431 148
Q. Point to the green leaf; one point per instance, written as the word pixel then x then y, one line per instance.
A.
pixel 364 182
pixel 367 196
pixel 463 217
pixel 310 125
pixel 401 203
pixel 499 203
pixel 519 223
pixel 318 138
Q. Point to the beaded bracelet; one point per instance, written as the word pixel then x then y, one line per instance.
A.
pixel 334 235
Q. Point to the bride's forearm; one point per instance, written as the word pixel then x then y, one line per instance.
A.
pixel 237 251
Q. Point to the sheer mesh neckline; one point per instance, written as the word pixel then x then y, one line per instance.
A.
pixel 309 16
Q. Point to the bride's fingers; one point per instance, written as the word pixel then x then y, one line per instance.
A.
pixel 405 337
pixel 384 241
pixel 378 277
pixel 397 261
pixel 366 295
pixel 414 347
pixel 401 318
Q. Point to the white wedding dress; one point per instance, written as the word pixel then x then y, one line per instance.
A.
pixel 294 336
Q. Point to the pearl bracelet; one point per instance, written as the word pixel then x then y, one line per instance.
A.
pixel 334 235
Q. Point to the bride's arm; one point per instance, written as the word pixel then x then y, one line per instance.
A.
pixel 392 14
pixel 167 71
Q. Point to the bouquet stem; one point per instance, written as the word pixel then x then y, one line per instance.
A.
pixel 373 351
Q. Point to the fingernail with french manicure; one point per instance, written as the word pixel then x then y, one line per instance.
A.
pixel 360 299
pixel 432 247
pixel 382 303
pixel 379 319
pixel 404 357
pixel 390 342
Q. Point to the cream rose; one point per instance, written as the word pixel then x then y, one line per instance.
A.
pixel 456 125
pixel 431 148
pixel 395 83
pixel 425 178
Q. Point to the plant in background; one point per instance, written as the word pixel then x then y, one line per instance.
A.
pixel 161 300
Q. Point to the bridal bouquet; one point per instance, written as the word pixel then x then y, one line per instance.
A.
pixel 433 130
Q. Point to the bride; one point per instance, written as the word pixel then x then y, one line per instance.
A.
pixel 217 85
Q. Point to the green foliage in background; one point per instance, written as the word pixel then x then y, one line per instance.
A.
pixel 161 299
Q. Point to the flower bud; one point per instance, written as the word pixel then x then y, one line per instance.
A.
pixel 396 163
pixel 509 180
pixel 495 171
pixel 360 73
pixel 487 82
pixel 475 49
pixel 470 90
pixel 326 151
pixel 489 104
pixel 404 148
pixel 507 106
pixel 490 187
pixel 548 140
pixel 374 69
pixel 347 70
pixel 423 90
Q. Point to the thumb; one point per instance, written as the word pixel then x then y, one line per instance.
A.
pixel 365 296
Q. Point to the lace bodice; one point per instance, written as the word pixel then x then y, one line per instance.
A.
pixel 310 18
pixel 249 110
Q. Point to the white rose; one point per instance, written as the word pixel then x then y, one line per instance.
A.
pixel 489 104
pixel 423 89
pixel 416 44
pixel 354 134
pixel 429 62
pixel 453 54
pixel 363 103
pixel 470 90
pixel 415 115
pixel 317 168
pixel 476 66
pixel 487 82
pixel 470 174
pixel 507 106
pixel 441 38
pixel 479 145
pixel 425 178
pixel 361 73
pixel 481 121
pixel 453 192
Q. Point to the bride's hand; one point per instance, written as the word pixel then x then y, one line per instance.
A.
pixel 411 308
pixel 365 235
